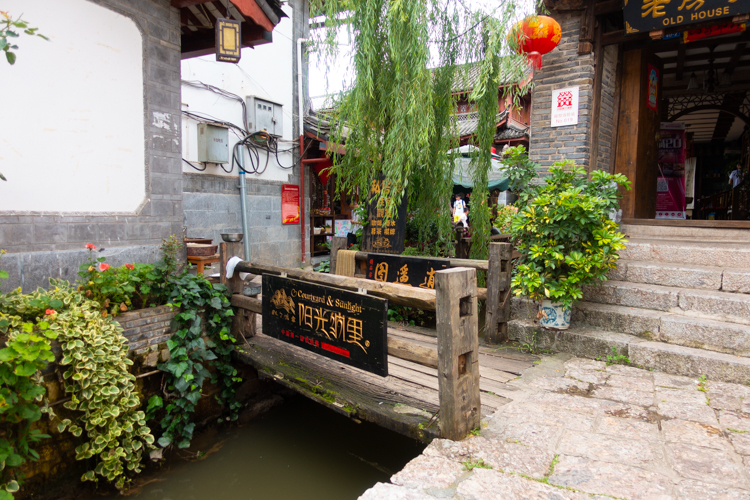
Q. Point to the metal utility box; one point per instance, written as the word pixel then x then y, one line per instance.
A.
pixel 213 143
pixel 264 115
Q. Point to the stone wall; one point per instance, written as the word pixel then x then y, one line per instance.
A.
pixel 41 245
pixel 562 68
pixel 56 474
pixel 211 206
pixel 608 110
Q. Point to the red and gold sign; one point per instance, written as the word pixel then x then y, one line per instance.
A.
pixel 535 36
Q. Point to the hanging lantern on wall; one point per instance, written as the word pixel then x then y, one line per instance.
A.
pixel 535 36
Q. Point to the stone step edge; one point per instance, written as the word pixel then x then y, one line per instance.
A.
pixel 701 277
pixel 681 295
pixel 649 324
pixel 668 358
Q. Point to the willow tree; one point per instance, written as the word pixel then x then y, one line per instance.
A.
pixel 396 116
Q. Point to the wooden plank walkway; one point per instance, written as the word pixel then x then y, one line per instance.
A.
pixel 406 401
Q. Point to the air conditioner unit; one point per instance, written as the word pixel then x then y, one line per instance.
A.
pixel 264 116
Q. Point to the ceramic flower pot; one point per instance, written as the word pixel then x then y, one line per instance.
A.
pixel 554 316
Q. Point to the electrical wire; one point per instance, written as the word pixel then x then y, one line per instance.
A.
pixel 198 169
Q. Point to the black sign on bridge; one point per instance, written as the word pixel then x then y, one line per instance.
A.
pixel 410 271
pixel 345 326
pixel 649 15
pixel 388 237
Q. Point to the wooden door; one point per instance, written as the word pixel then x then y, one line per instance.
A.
pixel 638 134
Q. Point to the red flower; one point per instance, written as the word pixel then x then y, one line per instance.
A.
pixel 89 246
pixel 50 312
pixel 104 266
pixel 129 267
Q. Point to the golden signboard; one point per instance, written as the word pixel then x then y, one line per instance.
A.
pixel 228 36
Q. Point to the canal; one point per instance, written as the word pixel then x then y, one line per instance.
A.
pixel 297 450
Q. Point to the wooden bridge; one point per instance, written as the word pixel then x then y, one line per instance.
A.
pixel 440 382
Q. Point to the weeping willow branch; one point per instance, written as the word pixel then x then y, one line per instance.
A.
pixel 396 117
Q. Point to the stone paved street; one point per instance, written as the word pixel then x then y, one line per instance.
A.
pixel 577 428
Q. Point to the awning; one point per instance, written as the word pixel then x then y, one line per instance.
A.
pixel 463 172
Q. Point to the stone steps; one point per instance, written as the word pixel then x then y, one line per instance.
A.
pixel 678 329
pixel 726 279
pixel 715 253
pixel 597 343
pixel 697 303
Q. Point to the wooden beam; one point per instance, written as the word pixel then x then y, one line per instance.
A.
pixel 498 290
pixel 412 351
pixel 736 54
pixel 607 7
pixel 186 3
pixel 403 295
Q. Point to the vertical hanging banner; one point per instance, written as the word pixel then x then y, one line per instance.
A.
pixel 289 204
pixel 564 107
pixel 670 185
pixel 379 237
pixel 653 87
pixel 228 36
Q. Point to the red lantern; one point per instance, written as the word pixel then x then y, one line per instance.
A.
pixel 541 34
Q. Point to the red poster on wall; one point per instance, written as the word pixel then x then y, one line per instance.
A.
pixel 653 86
pixel 289 204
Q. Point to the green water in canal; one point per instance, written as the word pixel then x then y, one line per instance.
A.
pixel 299 450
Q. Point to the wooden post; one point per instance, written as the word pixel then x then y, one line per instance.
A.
pixel 226 252
pixel 458 351
pixel 337 243
pixel 498 291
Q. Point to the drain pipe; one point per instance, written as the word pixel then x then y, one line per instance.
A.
pixel 243 202
pixel 301 117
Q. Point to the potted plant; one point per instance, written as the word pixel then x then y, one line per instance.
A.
pixel 567 238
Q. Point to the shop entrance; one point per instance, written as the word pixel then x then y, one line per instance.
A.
pixel 683 127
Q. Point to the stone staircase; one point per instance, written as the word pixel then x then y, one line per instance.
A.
pixel 678 302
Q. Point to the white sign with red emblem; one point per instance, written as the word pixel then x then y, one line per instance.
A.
pixel 564 107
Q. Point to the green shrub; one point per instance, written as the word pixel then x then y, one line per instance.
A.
pixel 565 235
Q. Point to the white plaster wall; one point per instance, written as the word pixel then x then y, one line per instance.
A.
pixel 265 72
pixel 72 124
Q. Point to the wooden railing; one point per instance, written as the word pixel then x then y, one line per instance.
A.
pixel 496 295
pixel 455 302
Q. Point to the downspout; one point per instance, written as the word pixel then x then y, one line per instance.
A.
pixel 301 117
pixel 243 203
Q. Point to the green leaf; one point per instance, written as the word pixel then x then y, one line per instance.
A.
pixel 3 274
pixel 11 57
pixel 14 460
pixel 164 441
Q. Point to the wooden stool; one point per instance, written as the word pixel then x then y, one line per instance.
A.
pixel 201 261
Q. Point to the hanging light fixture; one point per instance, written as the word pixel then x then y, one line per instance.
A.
pixel 693 82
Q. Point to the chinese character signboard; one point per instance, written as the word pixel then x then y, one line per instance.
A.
pixel 670 185
pixel 289 204
pixel 712 31
pixel 345 326
pixel 228 48
pixel 649 15
pixel 564 107
pixel 409 271
pixel 379 237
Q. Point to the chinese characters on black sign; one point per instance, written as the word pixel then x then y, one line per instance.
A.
pixel 344 326
pixel 405 270
pixel 377 237
pixel 648 15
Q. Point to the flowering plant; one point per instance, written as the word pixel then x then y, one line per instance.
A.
pixel 116 289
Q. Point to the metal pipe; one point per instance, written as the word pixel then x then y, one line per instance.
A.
pixel 301 121
pixel 243 202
